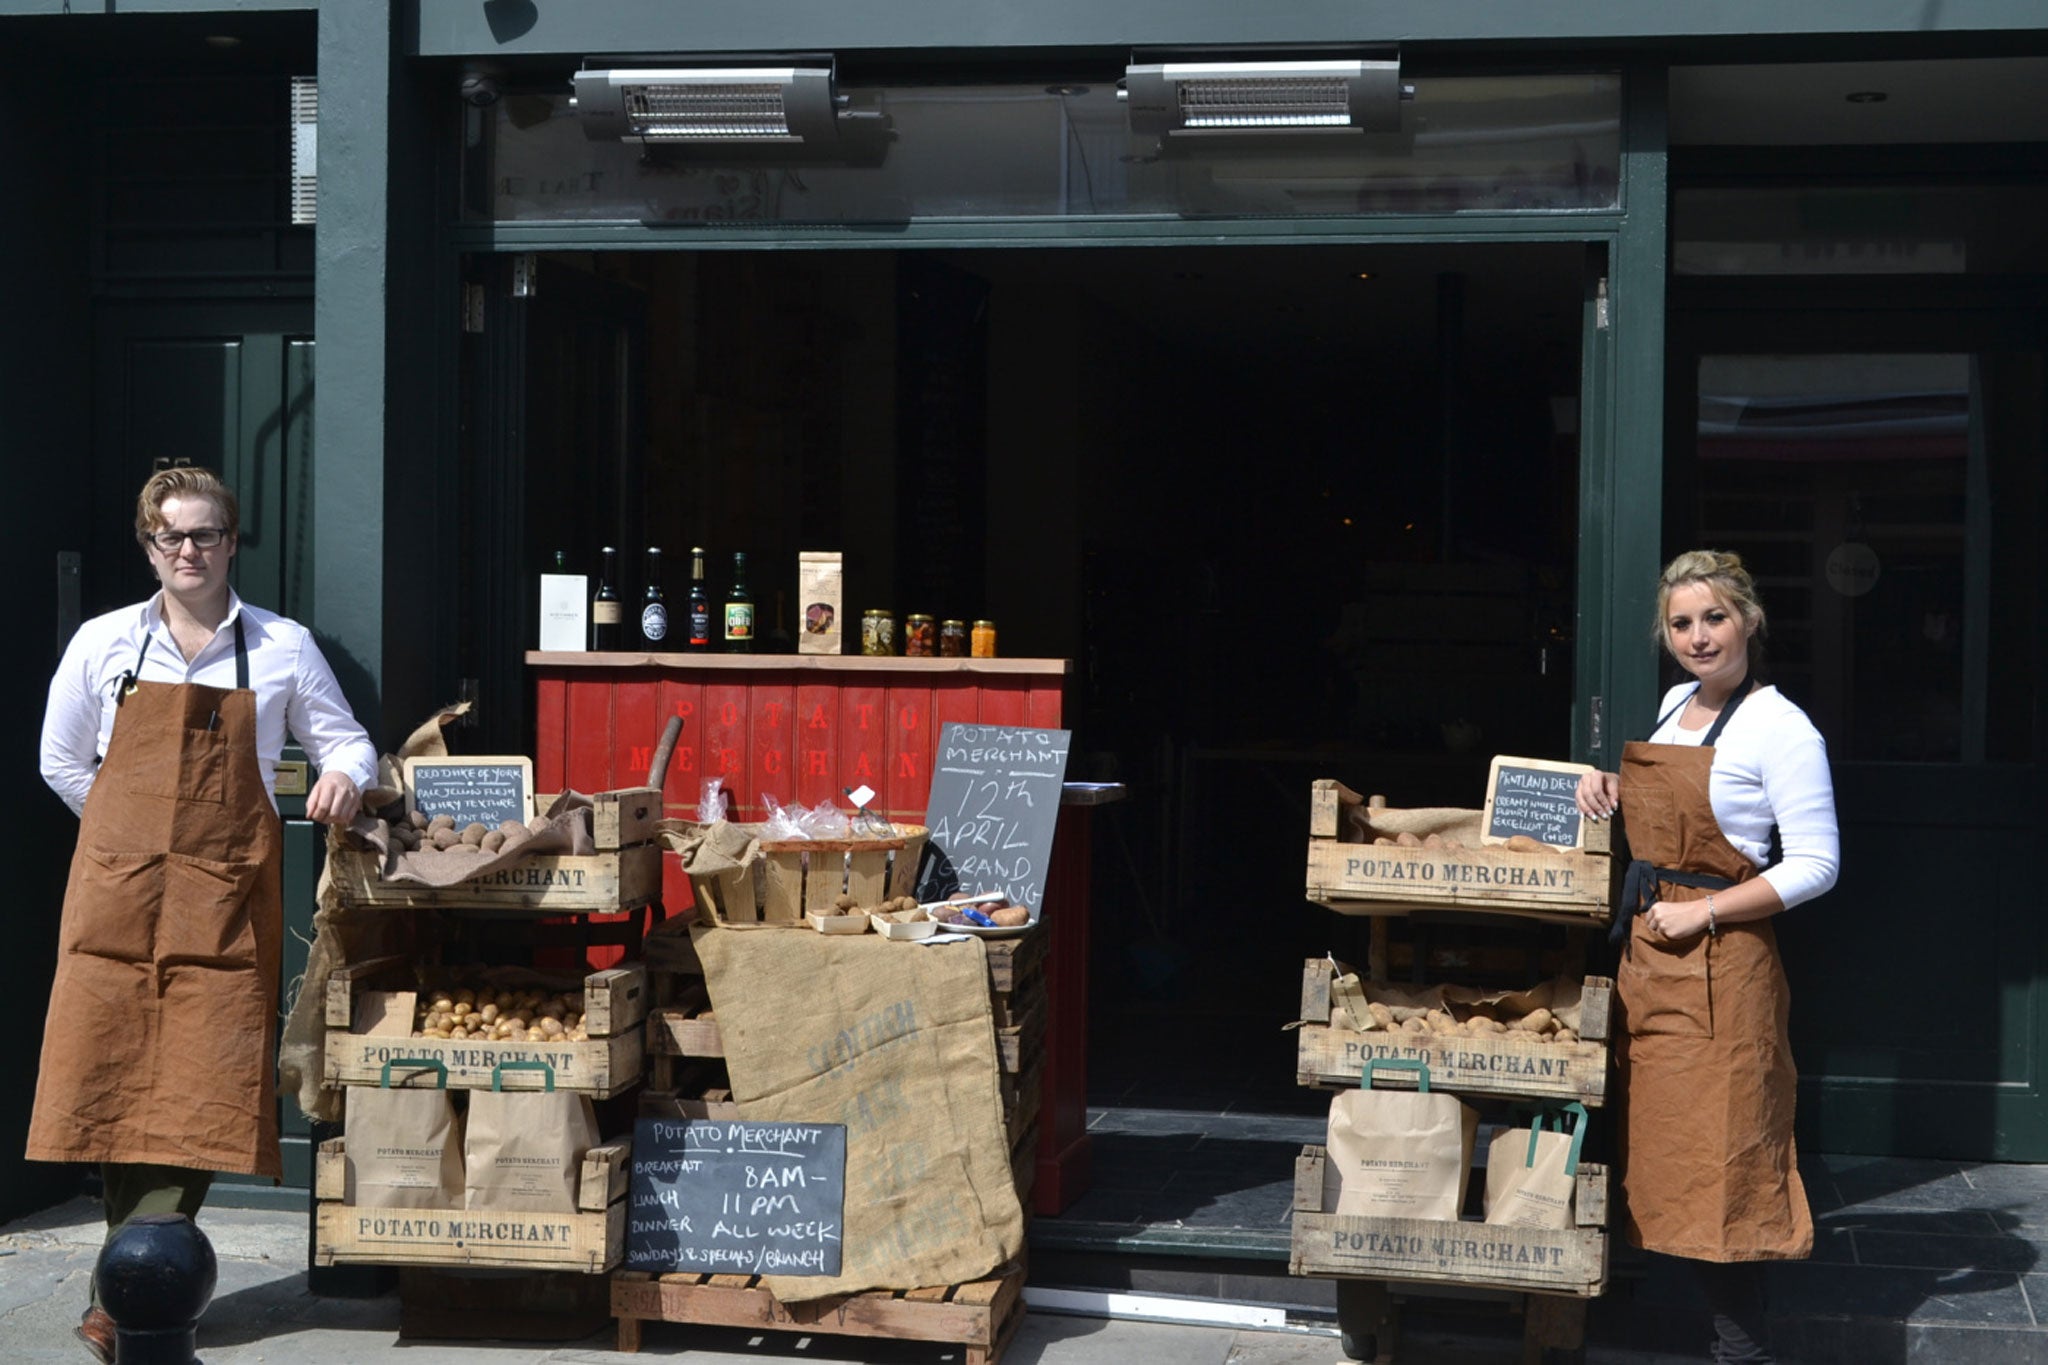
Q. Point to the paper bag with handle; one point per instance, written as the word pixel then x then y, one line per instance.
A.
pixel 524 1148
pixel 404 1145
pixel 1398 1153
pixel 1530 1173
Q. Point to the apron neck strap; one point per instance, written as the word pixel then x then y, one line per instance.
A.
pixel 1721 721
pixel 241 660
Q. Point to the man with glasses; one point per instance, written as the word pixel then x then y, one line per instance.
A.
pixel 163 731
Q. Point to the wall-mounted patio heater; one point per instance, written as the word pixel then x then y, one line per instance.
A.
pixel 1174 99
pixel 709 105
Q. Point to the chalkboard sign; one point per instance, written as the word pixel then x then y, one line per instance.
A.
pixel 490 790
pixel 714 1197
pixel 1536 797
pixel 995 799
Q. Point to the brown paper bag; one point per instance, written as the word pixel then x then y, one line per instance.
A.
pixel 1398 1153
pixel 1530 1173
pixel 404 1146
pixel 523 1149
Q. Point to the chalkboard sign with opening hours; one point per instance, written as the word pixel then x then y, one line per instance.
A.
pixel 994 802
pixel 715 1197
pixel 486 790
pixel 1536 797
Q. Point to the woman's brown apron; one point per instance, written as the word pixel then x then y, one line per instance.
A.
pixel 160 1041
pixel 1704 1065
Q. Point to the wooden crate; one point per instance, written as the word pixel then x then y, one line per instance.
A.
pixel 1357 878
pixel 1455 1251
pixel 598 883
pixel 614 1000
pixel 599 1068
pixel 797 877
pixel 591 1240
pixel 979 1316
pixel 1501 1065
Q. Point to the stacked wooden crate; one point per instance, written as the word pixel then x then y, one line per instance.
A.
pixel 622 874
pixel 1557 1270
pixel 686 1073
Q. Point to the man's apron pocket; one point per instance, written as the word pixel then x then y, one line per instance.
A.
pixel 195 769
pixel 1667 989
pixel 112 905
pixel 205 919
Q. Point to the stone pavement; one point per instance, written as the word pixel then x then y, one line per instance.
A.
pixel 262 1315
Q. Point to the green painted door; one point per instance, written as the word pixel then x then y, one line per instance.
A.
pixel 228 385
pixel 1881 469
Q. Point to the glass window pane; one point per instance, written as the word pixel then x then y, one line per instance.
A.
pixel 1857 230
pixel 1859 490
pixel 1066 150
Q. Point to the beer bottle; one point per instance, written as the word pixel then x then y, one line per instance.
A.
pixel 700 601
pixel 739 609
pixel 654 607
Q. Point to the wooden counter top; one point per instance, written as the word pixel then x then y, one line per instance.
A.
pixel 796 663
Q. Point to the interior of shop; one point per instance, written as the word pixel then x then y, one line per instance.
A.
pixel 1292 512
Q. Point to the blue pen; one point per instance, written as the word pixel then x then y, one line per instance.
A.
pixel 977 917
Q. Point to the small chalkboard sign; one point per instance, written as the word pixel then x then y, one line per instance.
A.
pixel 489 790
pixel 718 1197
pixel 994 801
pixel 1536 797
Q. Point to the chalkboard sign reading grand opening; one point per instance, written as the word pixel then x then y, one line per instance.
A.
pixel 486 790
pixel 713 1197
pixel 1536 797
pixel 995 799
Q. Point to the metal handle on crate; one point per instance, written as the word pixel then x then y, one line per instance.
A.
pixel 547 1073
pixel 435 1065
pixel 1414 1064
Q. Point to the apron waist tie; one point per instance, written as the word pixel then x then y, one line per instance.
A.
pixel 1639 892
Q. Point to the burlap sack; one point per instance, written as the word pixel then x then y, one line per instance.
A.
pixel 523 1149
pixel 404 1146
pixel 1531 1173
pixel 1397 1153
pixel 897 1043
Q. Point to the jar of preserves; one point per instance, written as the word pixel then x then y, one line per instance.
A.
pixel 920 637
pixel 878 632
pixel 952 639
pixel 984 640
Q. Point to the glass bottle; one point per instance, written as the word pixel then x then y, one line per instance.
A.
pixel 982 640
pixel 604 606
pixel 700 602
pixel 654 607
pixel 739 609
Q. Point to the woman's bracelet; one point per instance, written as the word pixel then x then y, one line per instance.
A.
pixel 1713 929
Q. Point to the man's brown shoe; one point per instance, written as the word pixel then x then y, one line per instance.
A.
pixel 96 1330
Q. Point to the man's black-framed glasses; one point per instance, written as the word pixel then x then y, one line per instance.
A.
pixel 205 538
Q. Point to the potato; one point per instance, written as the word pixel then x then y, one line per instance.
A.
pixel 473 833
pixel 1564 1035
pixel 492 842
pixel 1432 841
pixel 1439 1021
pixel 1522 843
pixel 1383 839
pixel 440 822
pixel 1010 916
pixel 1414 1026
pixel 1538 1020
pixel 445 839
pixel 417 819
pixel 1407 840
pixel 1381 1015
pixel 551 1026
pixel 509 827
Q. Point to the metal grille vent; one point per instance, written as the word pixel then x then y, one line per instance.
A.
pixel 305 146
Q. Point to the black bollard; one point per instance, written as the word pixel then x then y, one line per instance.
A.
pixel 155 1277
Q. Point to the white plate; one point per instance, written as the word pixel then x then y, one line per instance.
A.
pixel 993 930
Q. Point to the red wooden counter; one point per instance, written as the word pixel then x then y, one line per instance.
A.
pixel 803 728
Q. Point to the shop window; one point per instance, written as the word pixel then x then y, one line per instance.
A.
pixel 1857 229
pixel 1888 505
pixel 1065 150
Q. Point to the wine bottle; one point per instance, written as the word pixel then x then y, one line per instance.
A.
pixel 739 609
pixel 604 606
pixel 700 601
pixel 654 607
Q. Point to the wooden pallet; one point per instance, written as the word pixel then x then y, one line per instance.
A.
pixel 979 1316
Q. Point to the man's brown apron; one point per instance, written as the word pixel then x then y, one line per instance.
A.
pixel 160 1042
pixel 1705 1069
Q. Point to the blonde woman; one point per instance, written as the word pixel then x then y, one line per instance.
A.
pixel 1709 1171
